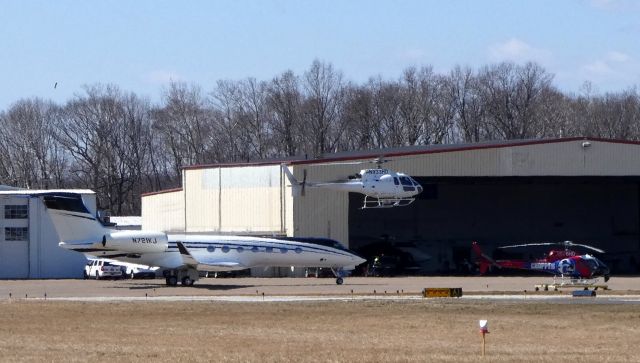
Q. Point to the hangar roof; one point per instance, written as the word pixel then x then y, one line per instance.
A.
pixel 405 151
pixel 39 191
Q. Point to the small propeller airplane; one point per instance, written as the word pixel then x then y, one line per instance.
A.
pixel 182 256
pixel 565 263
pixel 382 188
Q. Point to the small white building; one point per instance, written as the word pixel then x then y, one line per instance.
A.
pixel 28 240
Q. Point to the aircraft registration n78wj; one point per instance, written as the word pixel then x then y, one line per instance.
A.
pixel 184 255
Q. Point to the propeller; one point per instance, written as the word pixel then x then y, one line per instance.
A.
pixel 566 244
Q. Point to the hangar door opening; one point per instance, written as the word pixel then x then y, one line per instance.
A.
pixel 434 234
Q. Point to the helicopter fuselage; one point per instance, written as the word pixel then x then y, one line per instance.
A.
pixel 377 183
pixel 558 262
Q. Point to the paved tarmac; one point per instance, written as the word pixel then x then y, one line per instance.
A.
pixel 398 287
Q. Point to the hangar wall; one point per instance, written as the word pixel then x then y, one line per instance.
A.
pixel 567 158
pixel 241 199
pixel 34 251
pixel 325 213
pixel 163 211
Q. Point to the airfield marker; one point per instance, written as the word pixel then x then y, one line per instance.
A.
pixel 484 329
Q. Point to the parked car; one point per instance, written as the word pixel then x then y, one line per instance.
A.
pixel 135 271
pixel 100 269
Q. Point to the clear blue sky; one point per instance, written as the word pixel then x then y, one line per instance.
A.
pixel 142 45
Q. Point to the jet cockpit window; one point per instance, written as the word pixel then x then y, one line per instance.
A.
pixel 395 181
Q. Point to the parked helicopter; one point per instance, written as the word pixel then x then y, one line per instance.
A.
pixel 565 263
pixel 383 188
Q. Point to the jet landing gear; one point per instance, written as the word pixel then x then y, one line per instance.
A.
pixel 186 276
pixel 338 273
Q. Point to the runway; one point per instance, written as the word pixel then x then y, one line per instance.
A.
pixel 610 299
pixel 252 290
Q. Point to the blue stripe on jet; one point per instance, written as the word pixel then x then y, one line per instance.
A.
pixel 232 245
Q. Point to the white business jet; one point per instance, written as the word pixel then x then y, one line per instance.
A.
pixel 182 256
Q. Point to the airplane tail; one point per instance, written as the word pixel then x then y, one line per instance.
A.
pixel 82 232
pixel 484 261
pixel 71 219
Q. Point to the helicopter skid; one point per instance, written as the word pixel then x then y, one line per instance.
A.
pixel 572 283
pixel 372 202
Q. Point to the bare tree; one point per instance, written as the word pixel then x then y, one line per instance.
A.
pixel 107 134
pixel 32 157
pixel 324 90
pixel 284 100
pixel 185 126
pixel 512 96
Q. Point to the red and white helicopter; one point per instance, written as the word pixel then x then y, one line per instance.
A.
pixel 383 188
pixel 566 263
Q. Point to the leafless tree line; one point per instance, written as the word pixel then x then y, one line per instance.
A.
pixel 121 145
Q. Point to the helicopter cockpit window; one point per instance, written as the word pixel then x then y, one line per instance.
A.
pixel 405 181
pixel 591 263
pixel 395 181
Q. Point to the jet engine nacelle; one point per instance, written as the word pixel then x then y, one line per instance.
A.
pixel 136 241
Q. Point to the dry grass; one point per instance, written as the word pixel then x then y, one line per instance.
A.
pixel 376 331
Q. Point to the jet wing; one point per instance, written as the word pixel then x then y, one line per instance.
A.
pixel 191 260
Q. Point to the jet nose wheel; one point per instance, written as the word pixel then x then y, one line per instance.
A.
pixel 339 281
pixel 172 281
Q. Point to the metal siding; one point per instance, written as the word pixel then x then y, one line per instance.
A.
pixel 202 199
pixel 163 212
pixel 239 199
pixel 322 213
pixel 251 199
pixel 40 256
pixel 557 159
pixel 47 259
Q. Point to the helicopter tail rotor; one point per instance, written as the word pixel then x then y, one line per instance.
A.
pixel 484 261
pixel 297 188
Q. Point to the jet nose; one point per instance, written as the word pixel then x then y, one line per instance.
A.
pixel 358 260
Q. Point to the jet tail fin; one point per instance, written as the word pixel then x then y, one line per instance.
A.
pixel 71 219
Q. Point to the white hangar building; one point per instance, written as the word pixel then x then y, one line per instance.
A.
pixel 29 243
pixel 497 193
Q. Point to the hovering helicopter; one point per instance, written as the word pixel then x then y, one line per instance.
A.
pixel 383 188
pixel 563 262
